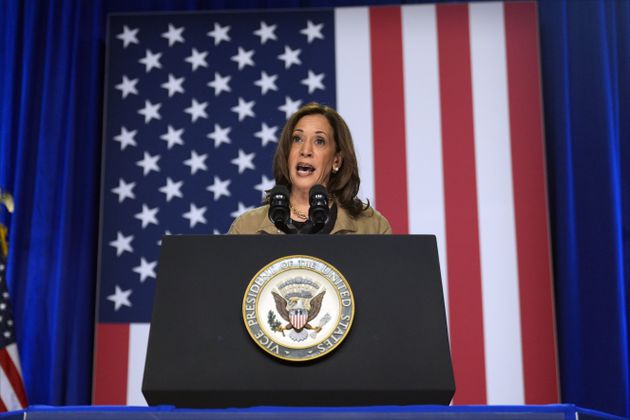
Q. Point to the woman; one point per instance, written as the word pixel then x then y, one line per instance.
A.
pixel 315 147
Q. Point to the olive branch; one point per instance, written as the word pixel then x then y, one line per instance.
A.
pixel 273 321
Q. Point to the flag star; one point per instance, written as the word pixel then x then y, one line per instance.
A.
pixel 195 215
pixel 120 298
pixel 151 61
pixel 216 232
pixel 166 233
pixel 127 86
pixel 122 243
pixel 220 135
pixel 147 216
pixel 145 269
pixel 314 81
pixel 173 137
pixel 128 36
pixel 220 83
pixel 266 32
pixel 219 188
pixel 243 58
pixel 266 82
pixel 196 162
pixel 265 185
pixel 244 161
pixel 173 35
pixel 197 110
pixel 219 33
pixel 290 106
pixel 173 85
pixel 241 209
pixel 197 59
pixel 313 31
pixel 124 190
pixel 172 189
pixel 150 111
pixel 267 134
pixel 126 138
pixel 290 56
pixel 149 163
pixel 244 109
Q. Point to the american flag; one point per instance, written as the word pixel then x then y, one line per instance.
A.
pixel 445 110
pixel 12 393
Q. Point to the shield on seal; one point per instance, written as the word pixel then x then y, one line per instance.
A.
pixel 298 318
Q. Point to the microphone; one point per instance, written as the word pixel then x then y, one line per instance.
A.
pixel 318 213
pixel 279 212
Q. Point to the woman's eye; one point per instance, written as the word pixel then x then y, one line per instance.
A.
pixel 320 141
pixel 296 139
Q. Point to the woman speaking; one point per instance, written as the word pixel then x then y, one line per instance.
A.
pixel 315 148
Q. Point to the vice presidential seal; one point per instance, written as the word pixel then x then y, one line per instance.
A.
pixel 298 308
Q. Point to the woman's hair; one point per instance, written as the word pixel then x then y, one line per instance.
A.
pixel 344 184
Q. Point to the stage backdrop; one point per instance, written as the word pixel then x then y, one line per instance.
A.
pixel 444 103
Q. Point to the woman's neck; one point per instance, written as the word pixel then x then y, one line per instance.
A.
pixel 299 204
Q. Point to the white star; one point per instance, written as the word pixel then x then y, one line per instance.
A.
pixel 241 209
pixel 196 162
pixel 147 216
pixel 219 188
pixel 266 82
pixel 265 185
pixel 197 110
pixel 149 163
pixel 220 83
pixel 126 138
pixel 127 86
pixel 122 243
pixel 220 135
pixel 314 81
pixel 197 59
pixel 151 61
pixel 150 111
pixel 172 189
pixel 195 215
pixel 120 298
pixel 290 56
pixel 219 33
pixel 244 161
pixel 167 232
pixel 173 85
pixel 124 190
pixel 266 32
pixel 128 36
pixel 244 109
pixel 243 58
pixel 267 134
pixel 173 35
pixel 173 137
pixel 290 106
pixel 145 269
pixel 313 31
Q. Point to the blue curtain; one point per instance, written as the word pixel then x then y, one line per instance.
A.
pixel 51 76
pixel 585 49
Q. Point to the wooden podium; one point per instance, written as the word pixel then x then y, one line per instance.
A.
pixel 201 355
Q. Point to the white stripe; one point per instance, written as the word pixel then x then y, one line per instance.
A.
pixel 425 182
pixel 7 394
pixel 138 340
pixel 497 237
pixel 354 87
pixel 12 349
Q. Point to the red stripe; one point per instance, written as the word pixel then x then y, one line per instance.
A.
pixel 460 200
pixel 530 204
pixel 390 169
pixel 3 407
pixel 13 375
pixel 110 372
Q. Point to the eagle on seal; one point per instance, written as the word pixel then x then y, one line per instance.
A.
pixel 298 311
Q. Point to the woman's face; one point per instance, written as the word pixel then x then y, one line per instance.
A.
pixel 313 152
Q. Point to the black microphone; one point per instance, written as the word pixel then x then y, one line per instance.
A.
pixel 318 213
pixel 279 212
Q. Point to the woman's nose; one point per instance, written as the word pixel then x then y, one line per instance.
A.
pixel 306 149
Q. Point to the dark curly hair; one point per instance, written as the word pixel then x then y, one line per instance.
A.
pixel 344 184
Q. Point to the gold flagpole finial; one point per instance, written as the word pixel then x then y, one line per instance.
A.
pixel 6 200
